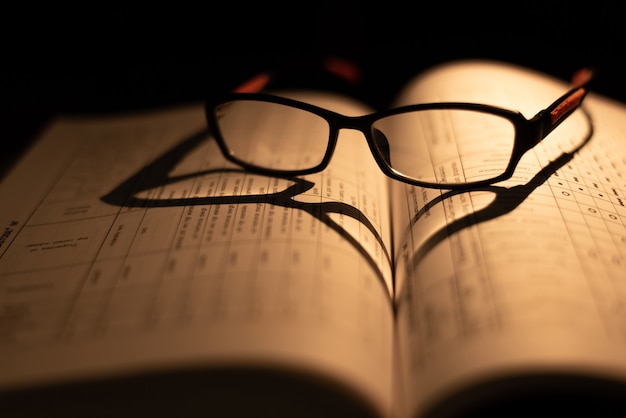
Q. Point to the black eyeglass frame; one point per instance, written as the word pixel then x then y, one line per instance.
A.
pixel 528 132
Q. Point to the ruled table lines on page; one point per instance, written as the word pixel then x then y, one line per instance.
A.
pixel 207 247
pixel 544 250
pixel 591 194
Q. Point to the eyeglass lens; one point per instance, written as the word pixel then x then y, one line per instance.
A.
pixel 272 135
pixel 434 146
pixel 447 145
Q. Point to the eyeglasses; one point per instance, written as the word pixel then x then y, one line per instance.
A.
pixel 451 145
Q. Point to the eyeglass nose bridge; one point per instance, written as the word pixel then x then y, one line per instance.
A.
pixel 376 140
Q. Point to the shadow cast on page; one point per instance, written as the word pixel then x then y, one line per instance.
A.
pixel 157 174
pixel 505 200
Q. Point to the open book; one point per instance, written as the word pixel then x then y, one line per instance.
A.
pixel 141 273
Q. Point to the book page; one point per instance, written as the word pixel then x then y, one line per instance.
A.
pixel 523 277
pixel 129 245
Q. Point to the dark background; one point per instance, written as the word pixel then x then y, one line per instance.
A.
pixel 107 57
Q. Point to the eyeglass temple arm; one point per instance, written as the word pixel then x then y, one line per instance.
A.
pixel 340 67
pixel 556 113
pixel 254 84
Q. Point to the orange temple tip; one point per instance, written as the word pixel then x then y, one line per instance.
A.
pixel 253 85
pixel 582 77
pixel 571 102
pixel 343 68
